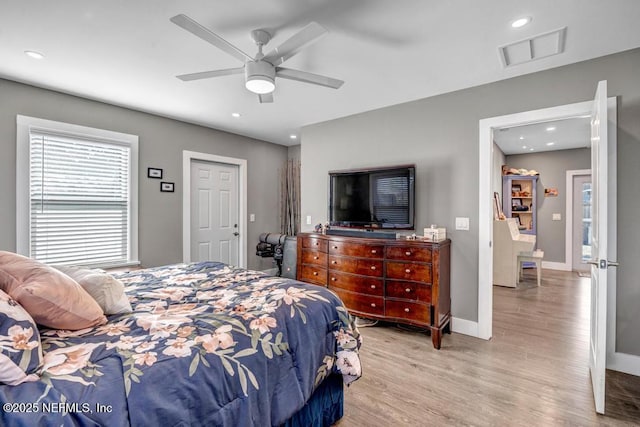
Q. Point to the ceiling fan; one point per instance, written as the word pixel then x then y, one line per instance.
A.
pixel 260 72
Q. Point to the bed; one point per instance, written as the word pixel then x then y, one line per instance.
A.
pixel 205 344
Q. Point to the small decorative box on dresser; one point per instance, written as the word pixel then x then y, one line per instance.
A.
pixel 404 281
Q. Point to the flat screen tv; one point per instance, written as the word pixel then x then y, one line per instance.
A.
pixel 380 198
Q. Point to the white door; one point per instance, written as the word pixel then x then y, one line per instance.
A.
pixel 581 222
pixel 601 202
pixel 214 212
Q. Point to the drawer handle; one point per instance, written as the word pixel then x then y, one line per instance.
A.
pixel 334 262
pixel 315 257
pixel 333 279
pixel 373 267
pixel 406 310
pixel 408 289
pixel 373 304
pixel 373 251
pixel 316 243
pixel 373 286
pixel 315 273
pixel 335 247
pixel 407 271
pixel 408 253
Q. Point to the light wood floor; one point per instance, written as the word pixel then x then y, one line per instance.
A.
pixel 533 372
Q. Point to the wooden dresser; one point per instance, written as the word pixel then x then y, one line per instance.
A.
pixel 404 281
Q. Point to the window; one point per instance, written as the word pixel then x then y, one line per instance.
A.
pixel 76 194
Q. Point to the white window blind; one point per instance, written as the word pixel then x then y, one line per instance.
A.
pixel 79 200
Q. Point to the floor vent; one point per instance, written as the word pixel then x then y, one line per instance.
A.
pixel 536 47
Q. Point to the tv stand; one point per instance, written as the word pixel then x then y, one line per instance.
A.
pixel 370 234
pixel 397 280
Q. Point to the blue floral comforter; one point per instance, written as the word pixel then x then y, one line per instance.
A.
pixel 207 344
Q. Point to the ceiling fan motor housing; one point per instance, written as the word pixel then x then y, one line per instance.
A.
pixel 260 76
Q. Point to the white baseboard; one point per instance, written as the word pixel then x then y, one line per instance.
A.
pixel 623 362
pixel 561 266
pixel 464 326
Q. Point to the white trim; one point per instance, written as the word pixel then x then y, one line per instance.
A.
pixel 464 326
pixel 187 158
pixel 623 362
pixel 568 213
pixel 551 265
pixel 23 126
pixel 485 214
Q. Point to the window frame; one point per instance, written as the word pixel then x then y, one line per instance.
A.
pixel 24 124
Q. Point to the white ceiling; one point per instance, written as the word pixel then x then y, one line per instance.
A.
pixel 554 135
pixel 128 52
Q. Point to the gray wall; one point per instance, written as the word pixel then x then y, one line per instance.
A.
pixel 161 144
pixel 553 167
pixel 440 135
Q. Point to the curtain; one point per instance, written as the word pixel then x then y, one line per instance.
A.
pixel 290 198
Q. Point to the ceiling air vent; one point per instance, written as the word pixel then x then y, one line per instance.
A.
pixel 536 47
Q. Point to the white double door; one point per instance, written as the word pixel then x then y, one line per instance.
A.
pixel 214 212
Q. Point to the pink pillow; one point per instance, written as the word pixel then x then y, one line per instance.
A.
pixel 52 298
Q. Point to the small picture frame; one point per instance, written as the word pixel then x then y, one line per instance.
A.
pixel 166 187
pixel 516 188
pixel 516 202
pixel 154 173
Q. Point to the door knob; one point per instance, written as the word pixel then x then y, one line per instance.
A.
pixel 603 263
pixel 235 233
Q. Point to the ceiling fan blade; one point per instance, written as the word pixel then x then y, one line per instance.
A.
pixel 205 34
pixel 293 45
pixel 209 74
pixel 265 98
pixel 303 76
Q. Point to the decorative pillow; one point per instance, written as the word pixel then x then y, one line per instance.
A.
pixel 20 347
pixel 51 297
pixel 104 288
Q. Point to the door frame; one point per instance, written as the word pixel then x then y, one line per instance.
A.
pixel 485 206
pixel 187 158
pixel 568 232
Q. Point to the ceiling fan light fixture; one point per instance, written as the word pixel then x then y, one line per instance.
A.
pixel 260 84
pixel 260 77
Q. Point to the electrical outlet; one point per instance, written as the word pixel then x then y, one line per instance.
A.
pixel 556 217
pixel 308 219
pixel 252 217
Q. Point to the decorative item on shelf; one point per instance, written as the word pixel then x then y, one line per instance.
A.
pixel 550 192
pixel 154 173
pixel 166 187
pixel 506 170
pixel 435 233
pixel 318 228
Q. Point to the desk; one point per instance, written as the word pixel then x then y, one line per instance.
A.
pixel 530 256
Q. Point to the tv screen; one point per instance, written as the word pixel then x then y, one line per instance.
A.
pixel 372 198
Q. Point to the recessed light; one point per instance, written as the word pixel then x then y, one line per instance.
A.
pixel 549 144
pixel 531 149
pixel 551 128
pixel 236 115
pixel 524 147
pixel 521 22
pixel 522 137
pixel 33 54
pixel 293 136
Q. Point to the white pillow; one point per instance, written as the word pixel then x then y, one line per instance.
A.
pixel 105 289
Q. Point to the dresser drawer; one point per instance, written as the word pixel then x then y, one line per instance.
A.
pixel 357 284
pixel 310 256
pixel 408 290
pixel 313 274
pixel 412 311
pixel 314 243
pixel 409 271
pixel 367 267
pixel 361 303
pixel 355 249
pixel 409 253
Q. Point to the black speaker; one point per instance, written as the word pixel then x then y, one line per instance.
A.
pixel 289 257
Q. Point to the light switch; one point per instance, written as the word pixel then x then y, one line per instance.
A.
pixel 308 219
pixel 462 223
pixel 556 217
pixel 252 217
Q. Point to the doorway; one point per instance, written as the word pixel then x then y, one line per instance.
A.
pixel 580 224
pixel 214 208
